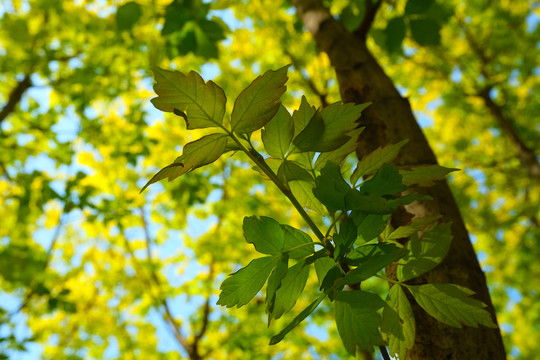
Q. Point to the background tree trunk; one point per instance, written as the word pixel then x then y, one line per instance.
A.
pixel 389 120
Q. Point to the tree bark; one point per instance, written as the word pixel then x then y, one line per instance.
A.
pixel 389 120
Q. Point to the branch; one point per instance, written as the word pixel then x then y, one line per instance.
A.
pixel 369 16
pixel 526 155
pixel 15 96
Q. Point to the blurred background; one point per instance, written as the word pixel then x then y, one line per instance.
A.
pixel 92 269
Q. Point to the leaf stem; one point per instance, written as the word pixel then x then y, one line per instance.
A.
pixel 259 161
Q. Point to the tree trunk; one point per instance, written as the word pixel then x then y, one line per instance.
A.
pixel 389 120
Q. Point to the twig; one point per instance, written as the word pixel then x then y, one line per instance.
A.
pixel 15 96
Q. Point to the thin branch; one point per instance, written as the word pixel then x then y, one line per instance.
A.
pixel 369 16
pixel 526 154
pixel 15 97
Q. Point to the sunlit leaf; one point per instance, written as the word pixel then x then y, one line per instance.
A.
pixel 203 103
pixel 399 322
pixel 277 133
pixel 201 152
pixel 264 233
pixel 452 305
pixel 425 175
pixel 258 103
pixel 244 284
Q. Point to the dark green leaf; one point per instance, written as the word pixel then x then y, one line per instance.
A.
pixel 202 103
pixel 372 204
pixel 386 182
pixel 198 153
pixel 291 287
pixel 398 322
pixel 278 133
pixel 258 103
pixel 345 238
pixel 274 282
pixel 328 129
pixel 372 161
pixel 298 240
pixel 127 15
pixel 322 267
pixel 297 320
pixel 425 175
pixel 292 171
pixel 418 6
pixel 394 34
pixel 329 281
pixel 452 305
pixel 371 263
pixel 351 17
pixel 425 31
pixel 330 187
pixel 369 225
pixel 264 233
pixel 426 252
pixel 302 116
pixel 244 284
pixel 357 319
pixel 338 156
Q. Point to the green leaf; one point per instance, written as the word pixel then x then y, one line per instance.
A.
pixel 330 188
pixel 291 171
pixel 452 305
pixel 426 252
pixel 338 156
pixel 244 284
pixel 258 103
pixel 198 153
pixel 425 31
pixel 322 267
pixel 127 15
pixel 302 116
pixel 291 287
pixel 372 161
pixel 345 238
pixel 278 133
pixel 367 203
pixel 330 281
pixel 414 227
pixel 264 233
pixel 394 34
pixel 425 175
pixel 386 182
pixel 303 191
pixel 351 18
pixel 357 319
pixel 328 129
pixel 399 322
pixel 369 226
pixel 418 6
pixel 297 320
pixel 297 240
pixel 274 282
pixel 202 103
pixel 371 262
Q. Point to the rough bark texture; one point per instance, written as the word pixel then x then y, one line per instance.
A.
pixel 389 120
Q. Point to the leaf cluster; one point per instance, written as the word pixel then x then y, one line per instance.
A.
pixel 305 157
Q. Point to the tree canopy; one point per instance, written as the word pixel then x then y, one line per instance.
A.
pixel 90 267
